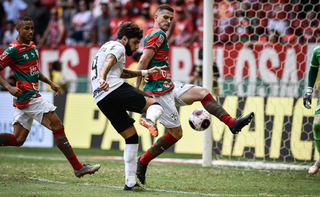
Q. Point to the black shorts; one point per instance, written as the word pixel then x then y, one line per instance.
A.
pixel 116 104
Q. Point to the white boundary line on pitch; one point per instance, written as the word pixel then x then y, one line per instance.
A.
pixel 251 164
pixel 149 190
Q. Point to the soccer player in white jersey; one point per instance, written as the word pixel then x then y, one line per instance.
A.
pixel 115 97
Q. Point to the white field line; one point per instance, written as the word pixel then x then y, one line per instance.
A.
pixel 250 164
pixel 150 190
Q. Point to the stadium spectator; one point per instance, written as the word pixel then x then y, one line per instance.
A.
pixel 10 34
pixel 55 33
pixel 278 16
pixel 246 25
pixel 49 3
pixel 225 12
pixel 69 9
pixel 183 33
pixel 22 57
pixel 41 16
pixel 144 21
pixel 14 9
pixel 116 20
pixel 82 24
pixel 132 8
pixel 57 77
pixel 2 21
pixel 101 28
pixel 197 74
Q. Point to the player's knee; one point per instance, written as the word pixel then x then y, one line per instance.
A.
pixel 204 92
pixel 316 129
pixel 133 139
pixel 20 141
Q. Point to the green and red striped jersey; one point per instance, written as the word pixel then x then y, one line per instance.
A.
pixel 23 60
pixel 158 83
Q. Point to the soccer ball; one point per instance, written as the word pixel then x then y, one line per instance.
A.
pixel 200 119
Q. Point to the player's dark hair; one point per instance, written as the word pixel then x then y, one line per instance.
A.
pixel 164 7
pixel 130 30
pixel 23 18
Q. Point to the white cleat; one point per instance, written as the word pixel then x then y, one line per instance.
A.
pixel 314 169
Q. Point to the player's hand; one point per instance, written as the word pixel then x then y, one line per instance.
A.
pixel 146 79
pixel 14 91
pixel 307 98
pixel 55 88
pixel 103 85
pixel 155 70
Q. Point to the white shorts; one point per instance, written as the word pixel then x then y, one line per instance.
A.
pixel 170 117
pixel 178 90
pixel 37 107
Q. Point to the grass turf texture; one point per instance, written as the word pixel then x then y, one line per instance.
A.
pixel 52 175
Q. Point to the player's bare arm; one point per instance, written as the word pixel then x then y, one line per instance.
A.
pixel 14 91
pixel 127 73
pixel 143 63
pixel 104 70
pixel 53 86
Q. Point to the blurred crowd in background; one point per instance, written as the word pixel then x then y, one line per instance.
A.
pixel 94 22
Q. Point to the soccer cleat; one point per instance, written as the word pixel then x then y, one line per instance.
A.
pixel 141 171
pixel 136 187
pixel 240 123
pixel 86 169
pixel 314 169
pixel 149 125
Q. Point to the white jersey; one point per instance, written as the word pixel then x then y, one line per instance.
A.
pixel 113 77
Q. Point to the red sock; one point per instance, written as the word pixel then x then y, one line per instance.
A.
pixel 63 144
pixel 162 144
pixel 8 139
pixel 214 108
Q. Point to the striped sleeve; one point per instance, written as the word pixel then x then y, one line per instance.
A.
pixel 6 58
pixel 155 40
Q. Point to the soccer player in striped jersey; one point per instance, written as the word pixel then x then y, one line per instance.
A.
pixel 22 57
pixel 115 97
pixel 313 73
pixel 171 94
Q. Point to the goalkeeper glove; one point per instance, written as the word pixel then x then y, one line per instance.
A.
pixel 307 98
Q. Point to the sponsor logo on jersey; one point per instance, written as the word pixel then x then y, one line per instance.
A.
pixel 318 107
pixel 23 48
pixel 97 92
pixel 166 84
pixel 34 70
pixel 159 41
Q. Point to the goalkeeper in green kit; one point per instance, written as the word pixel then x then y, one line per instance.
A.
pixel 313 72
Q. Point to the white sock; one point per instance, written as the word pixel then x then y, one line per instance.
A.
pixel 130 162
pixel 318 161
pixel 154 112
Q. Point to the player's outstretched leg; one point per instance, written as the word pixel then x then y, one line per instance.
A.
pixel 214 108
pixel 8 139
pixel 63 144
pixel 239 123
pixel 86 169
pixel 316 135
pixel 153 113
